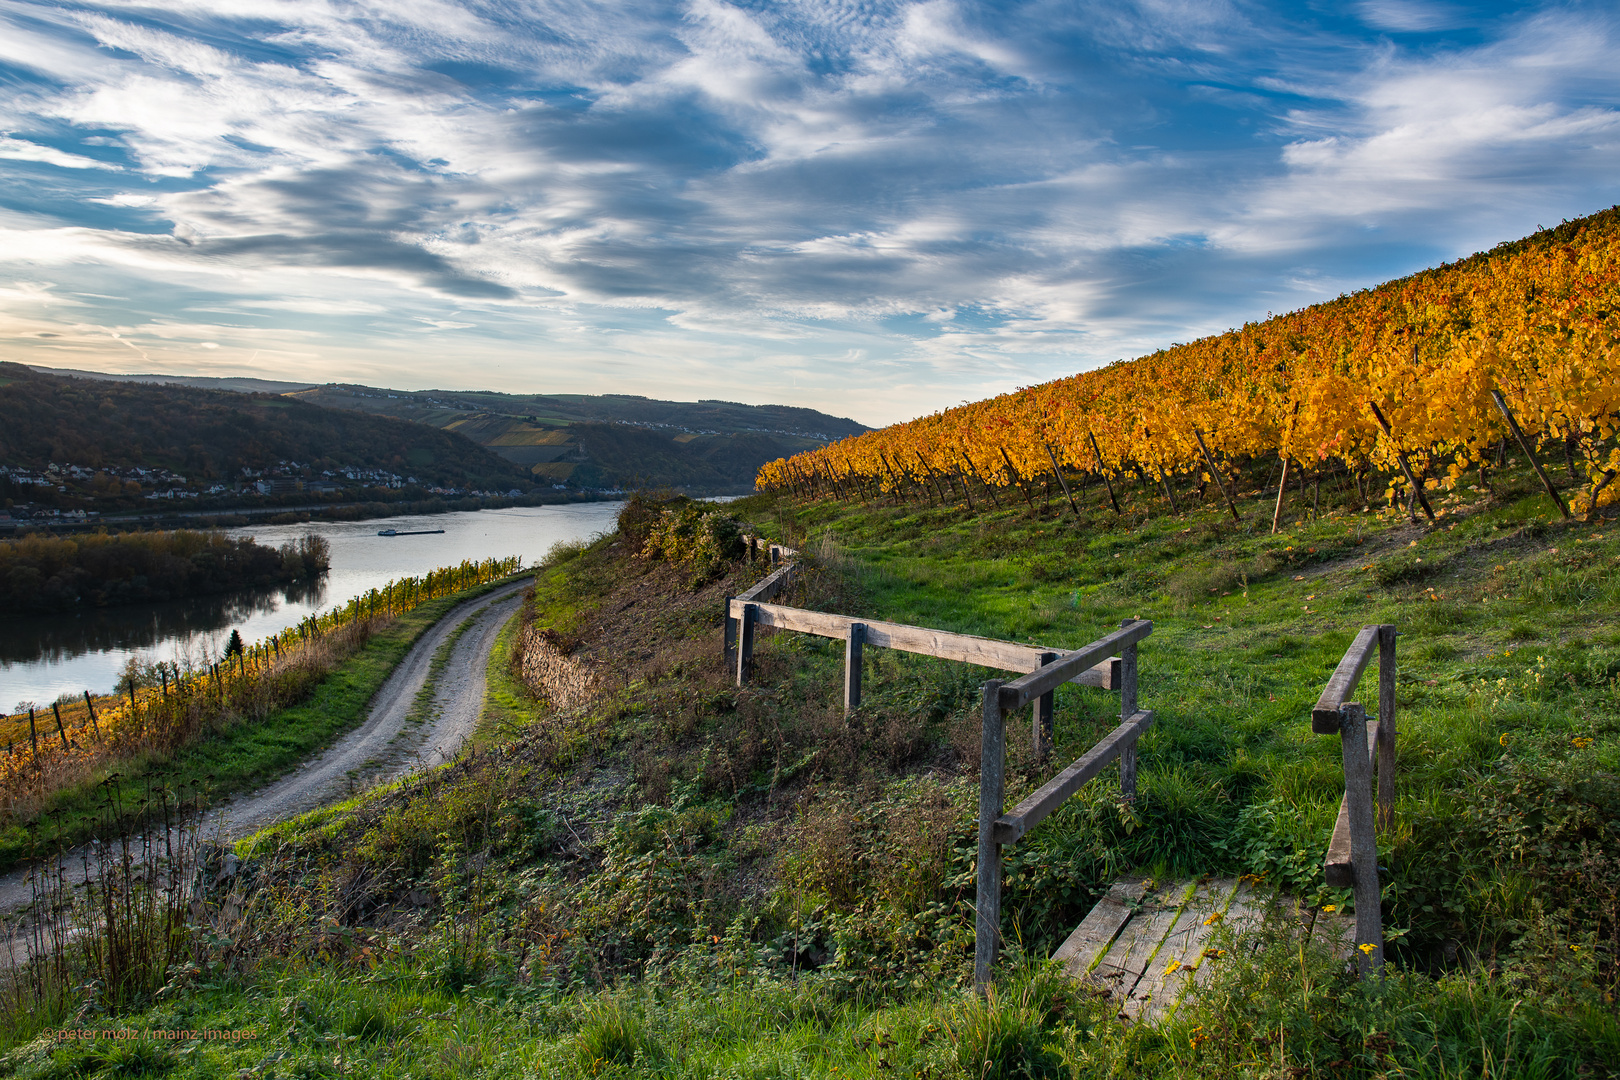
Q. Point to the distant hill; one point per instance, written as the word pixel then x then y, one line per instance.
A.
pixel 579 440
pixel 201 382
pixel 618 440
pixel 115 440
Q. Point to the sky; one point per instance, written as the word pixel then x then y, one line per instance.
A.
pixel 875 209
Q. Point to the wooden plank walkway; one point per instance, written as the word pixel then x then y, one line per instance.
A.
pixel 1145 942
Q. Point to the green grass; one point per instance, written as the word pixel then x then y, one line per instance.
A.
pixel 509 705
pixel 245 756
pixel 691 880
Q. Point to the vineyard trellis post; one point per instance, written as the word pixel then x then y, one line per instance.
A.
pixel 1215 475
pixel 1012 474
pixel 1102 471
pixel 1058 472
pixel 1406 468
pixel 1524 444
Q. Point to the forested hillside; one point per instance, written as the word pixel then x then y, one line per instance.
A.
pixel 609 440
pixel 209 435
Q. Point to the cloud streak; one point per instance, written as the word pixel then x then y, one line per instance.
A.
pixel 875 208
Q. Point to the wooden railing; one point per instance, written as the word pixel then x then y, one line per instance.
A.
pixel 1352 857
pixel 1044 670
pixel 997 829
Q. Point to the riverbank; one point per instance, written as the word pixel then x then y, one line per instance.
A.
pixel 243 755
pixel 235 516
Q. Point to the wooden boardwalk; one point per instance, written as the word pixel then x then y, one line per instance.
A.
pixel 1147 943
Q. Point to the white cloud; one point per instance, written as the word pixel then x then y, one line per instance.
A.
pixel 22 150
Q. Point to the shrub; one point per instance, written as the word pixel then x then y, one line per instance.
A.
pixel 691 535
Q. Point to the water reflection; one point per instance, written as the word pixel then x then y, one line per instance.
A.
pixel 55 638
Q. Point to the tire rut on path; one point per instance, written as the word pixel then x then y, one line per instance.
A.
pixel 388 744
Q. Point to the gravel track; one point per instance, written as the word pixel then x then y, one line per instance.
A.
pixel 395 739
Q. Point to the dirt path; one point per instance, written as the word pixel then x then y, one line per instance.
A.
pixel 395 738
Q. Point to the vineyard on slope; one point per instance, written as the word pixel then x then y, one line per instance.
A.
pixel 1410 368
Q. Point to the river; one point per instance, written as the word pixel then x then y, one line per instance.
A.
pixel 43 658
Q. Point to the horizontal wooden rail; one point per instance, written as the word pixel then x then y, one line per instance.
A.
pixel 1341 686
pixel 1035 809
pixel 1103 670
pixel 1043 680
pixel 771 584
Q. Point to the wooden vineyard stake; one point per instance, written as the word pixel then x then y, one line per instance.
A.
pixel 61 732
pixel 1406 468
pixel 932 478
pixel 1524 444
pixel 1059 474
pixel 1214 474
pixel 88 704
pixel 973 470
pixel 1016 479
pixel 1103 472
pixel 1282 484
pixel 33 734
pixel 1164 478
pixel 1282 489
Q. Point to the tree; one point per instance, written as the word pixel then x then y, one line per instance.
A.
pixel 233 646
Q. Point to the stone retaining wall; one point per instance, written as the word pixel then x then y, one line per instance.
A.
pixel 562 680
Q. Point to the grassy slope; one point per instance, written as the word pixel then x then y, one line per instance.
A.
pixel 1510 629
pixel 245 756
pixel 1508 662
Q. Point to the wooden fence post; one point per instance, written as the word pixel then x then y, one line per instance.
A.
pixel 1127 709
pixel 33 735
pixel 728 636
pixel 992 762
pixel 853 641
pixel 745 644
pixel 1363 838
pixel 61 732
pixel 1042 719
pixel 1386 725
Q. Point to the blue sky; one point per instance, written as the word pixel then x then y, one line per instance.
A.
pixel 876 209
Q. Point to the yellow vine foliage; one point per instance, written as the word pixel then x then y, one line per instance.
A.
pixel 1536 319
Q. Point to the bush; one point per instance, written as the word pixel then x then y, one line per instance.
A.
pixel 693 535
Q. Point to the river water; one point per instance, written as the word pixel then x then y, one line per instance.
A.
pixel 67 654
